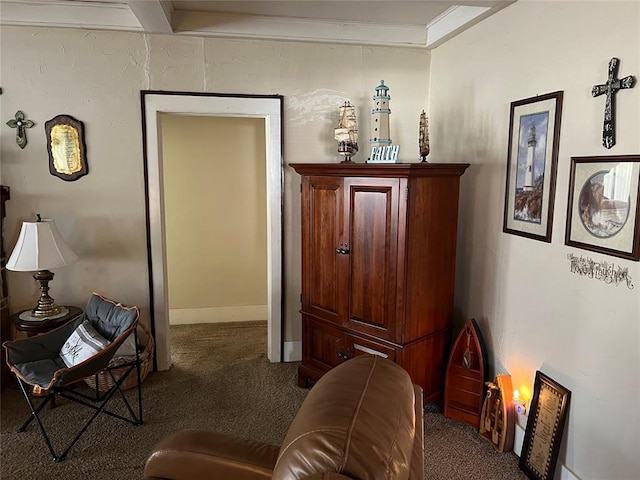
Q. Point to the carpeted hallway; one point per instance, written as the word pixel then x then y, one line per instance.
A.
pixel 220 379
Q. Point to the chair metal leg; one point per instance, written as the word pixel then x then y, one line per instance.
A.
pixel 79 397
pixel 34 415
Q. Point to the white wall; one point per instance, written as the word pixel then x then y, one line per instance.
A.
pixel 534 313
pixel 97 76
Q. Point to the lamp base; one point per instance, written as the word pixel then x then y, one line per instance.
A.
pixel 27 317
pixel 46 307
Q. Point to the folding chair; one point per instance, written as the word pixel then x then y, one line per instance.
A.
pixel 39 367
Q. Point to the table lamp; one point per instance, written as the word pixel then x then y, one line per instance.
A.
pixel 40 248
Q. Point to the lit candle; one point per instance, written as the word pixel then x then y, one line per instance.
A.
pixel 519 403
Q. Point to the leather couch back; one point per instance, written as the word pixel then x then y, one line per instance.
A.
pixel 358 420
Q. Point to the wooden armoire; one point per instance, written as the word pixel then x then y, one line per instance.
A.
pixel 378 266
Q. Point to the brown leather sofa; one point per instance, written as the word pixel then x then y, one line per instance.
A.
pixel 362 420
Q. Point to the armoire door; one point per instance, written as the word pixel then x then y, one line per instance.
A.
pixel 372 224
pixel 324 259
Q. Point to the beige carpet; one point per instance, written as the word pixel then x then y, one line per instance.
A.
pixel 220 380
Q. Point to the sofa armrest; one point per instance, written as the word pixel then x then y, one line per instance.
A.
pixel 197 454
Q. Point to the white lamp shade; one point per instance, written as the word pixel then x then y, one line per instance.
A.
pixel 40 247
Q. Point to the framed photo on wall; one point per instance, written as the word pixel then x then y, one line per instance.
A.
pixel 532 160
pixel 603 213
pixel 545 425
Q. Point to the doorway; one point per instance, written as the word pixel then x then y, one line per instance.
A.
pixel 268 108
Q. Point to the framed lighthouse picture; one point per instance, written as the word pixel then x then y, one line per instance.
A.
pixel 532 159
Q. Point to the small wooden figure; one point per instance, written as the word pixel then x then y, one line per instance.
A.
pixel 497 422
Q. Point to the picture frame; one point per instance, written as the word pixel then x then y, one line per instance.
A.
pixel 66 148
pixel 532 161
pixel 545 426
pixel 603 210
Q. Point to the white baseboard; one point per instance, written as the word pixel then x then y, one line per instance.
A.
pixel 565 473
pixel 243 313
pixel 292 351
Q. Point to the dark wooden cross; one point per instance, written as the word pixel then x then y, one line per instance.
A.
pixel 611 88
pixel 19 123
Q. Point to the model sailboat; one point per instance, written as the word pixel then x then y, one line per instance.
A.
pixel 346 133
pixel 466 376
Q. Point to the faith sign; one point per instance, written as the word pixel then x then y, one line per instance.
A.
pixel 610 88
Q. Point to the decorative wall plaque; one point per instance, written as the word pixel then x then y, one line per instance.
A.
pixel 547 416
pixel 66 147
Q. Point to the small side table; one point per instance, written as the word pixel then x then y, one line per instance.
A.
pixel 36 327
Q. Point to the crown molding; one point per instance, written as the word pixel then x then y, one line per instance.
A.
pixel 101 16
pixel 159 16
pixel 457 19
pixel 217 24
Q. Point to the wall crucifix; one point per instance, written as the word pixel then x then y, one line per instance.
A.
pixel 20 124
pixel 610 88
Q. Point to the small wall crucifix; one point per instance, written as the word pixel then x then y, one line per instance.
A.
pixel 19 123
pixel 610 89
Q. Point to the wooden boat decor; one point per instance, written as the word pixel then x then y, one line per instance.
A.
pixel 497 422
pixel 466 376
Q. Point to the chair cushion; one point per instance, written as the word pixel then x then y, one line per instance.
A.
pixel 109 318
pixel 127 349
pixel 40 372
pixel 82 344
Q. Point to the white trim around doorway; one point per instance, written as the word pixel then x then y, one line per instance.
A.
pixel 267 107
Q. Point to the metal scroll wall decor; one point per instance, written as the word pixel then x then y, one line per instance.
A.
pixel 604 271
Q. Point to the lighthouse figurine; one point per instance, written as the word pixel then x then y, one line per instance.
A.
pixel 382 151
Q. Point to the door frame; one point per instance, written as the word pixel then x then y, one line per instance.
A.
pixel 268 107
